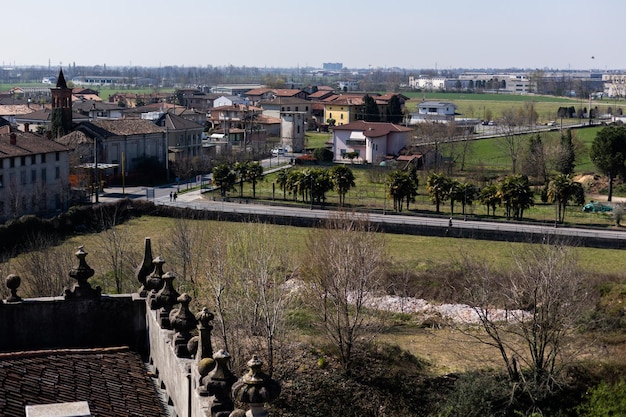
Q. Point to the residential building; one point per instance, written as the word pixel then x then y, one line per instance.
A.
pixel 184 137
pixel 614 85
pixel 93 110
pixel 234 89
pixel 258 94
pixel 222 101
pixel 368 142
pixel 343 109
pixel 434 112
pixel 292 128
pixel 34 174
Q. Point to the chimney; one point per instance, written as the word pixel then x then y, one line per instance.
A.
pixel 13 139
pixel 27 127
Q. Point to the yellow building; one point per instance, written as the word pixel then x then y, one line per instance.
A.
pixel 344 109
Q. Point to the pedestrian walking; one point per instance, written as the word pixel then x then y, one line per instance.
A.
pixel 171 195
pixel 175 196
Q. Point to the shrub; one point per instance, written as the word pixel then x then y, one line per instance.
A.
pixel 605 400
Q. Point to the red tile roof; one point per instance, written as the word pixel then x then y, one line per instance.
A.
pixel 113 381
pixel 373 129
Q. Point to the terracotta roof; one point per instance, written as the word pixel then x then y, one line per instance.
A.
pixel 16 109
pixel 373 129
pixel 113 381
pixel 173 122
pixel 73 139
pixel 27 144
pixel 121 127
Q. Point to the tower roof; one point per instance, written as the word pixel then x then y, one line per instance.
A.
pixel 61 80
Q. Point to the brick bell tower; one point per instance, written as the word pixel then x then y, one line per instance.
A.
pixel 62 103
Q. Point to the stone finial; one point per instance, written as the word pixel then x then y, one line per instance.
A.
pixel 205 348
pixel 182 321
pixel 154 281
pixel 13 283
pixel 256 388
pixel 146 268
pixel 165 299
pixel 218 384
pixel 82 273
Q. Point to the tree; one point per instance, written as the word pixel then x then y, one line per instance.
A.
pixel 511 140
pixel 566 155
pixel 401 185
pixel 534 163
pixel 343 178
pixel 394 110
pixel 254 174
pixel 437 186
pixel 608 153
pixel 544 297
pixel 489 198
pixel 469 193
pixel 372 113
pixel 345 269
pixel 241 168
pixel 282 179
pixel 224 178
pixel 516 196
pixel 562 190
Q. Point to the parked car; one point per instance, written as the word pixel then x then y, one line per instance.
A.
pixel 278 151
pixel 595 207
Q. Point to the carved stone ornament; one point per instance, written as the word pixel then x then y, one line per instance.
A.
pixel 165 300
pixel 82 289
pixel 13 283
pixel 218 384
pixel 146 268
pixel 256 388
pixel 183 322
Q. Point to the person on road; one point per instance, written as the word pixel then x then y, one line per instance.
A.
pixel 171 195
pixel 175 196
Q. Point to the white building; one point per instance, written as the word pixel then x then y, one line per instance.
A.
pixel 427 83
pixel 368 142
pixel 433 111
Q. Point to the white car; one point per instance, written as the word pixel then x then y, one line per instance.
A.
pixel 278 152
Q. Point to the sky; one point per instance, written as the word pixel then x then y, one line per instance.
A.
pixel 411 34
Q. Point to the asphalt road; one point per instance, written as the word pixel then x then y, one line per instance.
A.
pixel 193 199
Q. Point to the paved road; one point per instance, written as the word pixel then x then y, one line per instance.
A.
pixel 193 199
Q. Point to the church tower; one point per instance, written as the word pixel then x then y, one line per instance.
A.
pixel 61 107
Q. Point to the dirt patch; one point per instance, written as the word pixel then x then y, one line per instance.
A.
pixel 593 184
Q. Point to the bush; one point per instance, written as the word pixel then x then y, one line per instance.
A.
pixel 323 154
pixel 605 400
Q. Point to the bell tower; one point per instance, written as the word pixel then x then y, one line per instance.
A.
pixel 61 107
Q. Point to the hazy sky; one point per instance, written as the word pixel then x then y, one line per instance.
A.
pixel 559 34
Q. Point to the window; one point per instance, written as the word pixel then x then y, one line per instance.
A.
pixel 57 173
pixel 58 156
pixel 298 129
pixel 43 175
pixel 1 181
pixel 33 159
pixel 43 158
pixel 12 163
pixel 341 116
pixel 296 108
pixel 22 160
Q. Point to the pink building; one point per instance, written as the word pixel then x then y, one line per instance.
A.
pixel 371 141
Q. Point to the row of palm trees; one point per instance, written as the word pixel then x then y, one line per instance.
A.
pixel 513 193
pixel 225 176
pixel 313 184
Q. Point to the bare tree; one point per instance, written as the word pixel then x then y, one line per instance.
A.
pixel 45 270
pixel 544 297
pixel 262 268
pixel 115 242
pixel 511 139
pixel 187 238
pixel 344 269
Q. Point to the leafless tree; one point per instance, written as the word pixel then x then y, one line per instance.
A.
pixel 263 268
pixel 544 298
pixel 511 139
pixel 120 253
pixel 187 238
pixel 45 270
pixel 344 269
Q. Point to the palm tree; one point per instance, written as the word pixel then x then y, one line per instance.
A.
pixel 224 177
pixel 282 179
pixel 241 168
pixel 515 193
pixel 343 178
pixel 563 189
pixel 489 197
pixel 437 186
pixel 254 175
